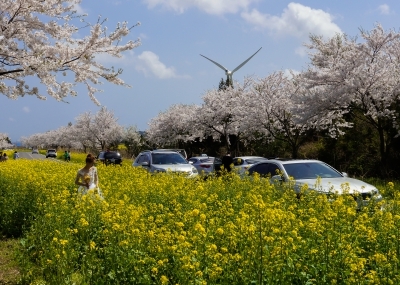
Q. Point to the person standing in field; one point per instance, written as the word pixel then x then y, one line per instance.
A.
pixel 65 155
pixel 227 160
pixel 87 177
pixel 16 155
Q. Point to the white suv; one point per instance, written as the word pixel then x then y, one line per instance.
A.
pixel 51 153
pixel 163 161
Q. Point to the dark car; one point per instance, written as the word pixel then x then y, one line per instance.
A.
pixel 110 157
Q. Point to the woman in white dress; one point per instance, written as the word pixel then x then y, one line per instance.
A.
pixel 87 177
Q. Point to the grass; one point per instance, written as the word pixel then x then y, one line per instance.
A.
pixel 9 270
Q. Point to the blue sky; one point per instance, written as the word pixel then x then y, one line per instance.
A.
pixel 167 68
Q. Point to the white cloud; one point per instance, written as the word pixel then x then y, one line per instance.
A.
pixel 216 7
pixel 296 20
pixel 26 109
pixel 289 73
pixel 149 62
pixel 302 51
pixel 127 58
pixel 79 9
pixel 384 9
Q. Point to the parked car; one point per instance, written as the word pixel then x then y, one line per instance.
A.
pixel 165 160
pixel 318 176
pixel 243 163
pixel 206 165
pixel 35 151
pixel 110 157
pixel 51 153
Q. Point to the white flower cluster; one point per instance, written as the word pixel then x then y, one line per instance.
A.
pixel 31 46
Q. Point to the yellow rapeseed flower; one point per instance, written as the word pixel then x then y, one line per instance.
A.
pixel 83 222
pixel 164 279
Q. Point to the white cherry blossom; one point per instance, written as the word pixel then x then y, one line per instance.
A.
pixel 39 39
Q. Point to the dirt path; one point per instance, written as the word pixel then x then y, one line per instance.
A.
pixel 9 271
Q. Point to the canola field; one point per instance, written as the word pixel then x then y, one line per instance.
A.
pixel 167 229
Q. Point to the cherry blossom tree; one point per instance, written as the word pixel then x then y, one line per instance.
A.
pixel 273 112
pixel 358 79
pixel 105 128
pixel 132 139
pixel 38 39
pixel 82 131
pixel 90 132
pixel 98 131
pixel 177 124
pixel 4 141
pixel 222 112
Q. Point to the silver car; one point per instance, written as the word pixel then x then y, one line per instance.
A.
pixel 156 161
pixel 205 165
pixel 243 163
pixel 318 176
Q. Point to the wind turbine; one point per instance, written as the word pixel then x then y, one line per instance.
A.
pixel 227 71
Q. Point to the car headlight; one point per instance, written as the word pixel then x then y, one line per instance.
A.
pixel 194 170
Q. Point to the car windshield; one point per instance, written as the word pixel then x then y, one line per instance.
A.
pixel 168 158
pixel 310 170
pixel 111 154
pixel 255 160
pixel 208 159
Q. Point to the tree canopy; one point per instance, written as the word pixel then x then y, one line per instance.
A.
pixel 39 39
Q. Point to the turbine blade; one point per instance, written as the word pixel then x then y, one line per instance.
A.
pixel 216 63
pixel 244 62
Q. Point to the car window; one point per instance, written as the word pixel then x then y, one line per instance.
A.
pixel 238 161
pixel 111 154
pixel 310 170
pixel 265 169
pixel 144 158
pixel 168 158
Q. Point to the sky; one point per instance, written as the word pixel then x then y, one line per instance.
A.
pixel 167 69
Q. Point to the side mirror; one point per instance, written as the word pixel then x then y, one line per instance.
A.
pixel 145 163
pixel 190 162
pixel 345 174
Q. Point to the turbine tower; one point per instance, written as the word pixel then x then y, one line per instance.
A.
pixel 227 71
